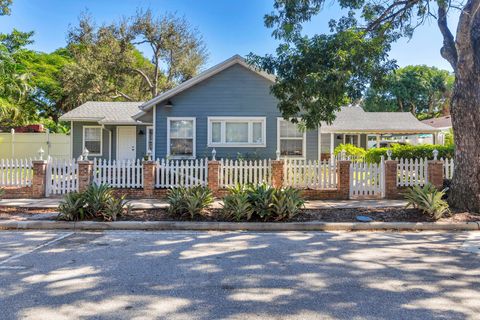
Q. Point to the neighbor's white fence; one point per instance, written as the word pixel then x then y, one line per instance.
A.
pixel 176 173
pixel 367 180
pixel 310 174
pixel 118 174
pixel 26 145
pixel 62 176
pixel 16 172
pixel 255 172
pixel 448 168
pixel 412 172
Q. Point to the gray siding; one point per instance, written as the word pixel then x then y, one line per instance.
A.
pixel 235 91
pixel 78 142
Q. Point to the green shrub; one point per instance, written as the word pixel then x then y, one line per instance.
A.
pixel 286 203
pixel 97 201
pixel 410 152
pixel 428 199
pixel 72 207
pixel 237 206
pixel 261 198
pixel 350 150
pixel 193 200
pixel 262 201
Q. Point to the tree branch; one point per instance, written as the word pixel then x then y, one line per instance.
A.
pixel 144 76
pixel 475 35
pixel 448 51
pixel 123 95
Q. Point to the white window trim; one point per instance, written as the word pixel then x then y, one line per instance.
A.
pixel 101 140
pixel 169 119
pixel 304 145
pixel 151 138
pixel 225 144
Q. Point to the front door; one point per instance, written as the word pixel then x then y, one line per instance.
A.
pixel 126 143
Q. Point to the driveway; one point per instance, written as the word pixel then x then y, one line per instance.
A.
pixel 239 275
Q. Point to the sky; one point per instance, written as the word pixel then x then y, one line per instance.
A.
pixel 228 27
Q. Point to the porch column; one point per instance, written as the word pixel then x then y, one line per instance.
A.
pixel 332 144
pixel 378 141
pixel 358 140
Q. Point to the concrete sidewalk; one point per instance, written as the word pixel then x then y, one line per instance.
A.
pixel 160 203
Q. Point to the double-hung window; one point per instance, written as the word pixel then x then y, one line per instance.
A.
pixel 92 140
pixel 236 131
pixel 181 137
pixel 291 140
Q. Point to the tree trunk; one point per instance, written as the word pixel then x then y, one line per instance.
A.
pixel 465 193
pixel 465 109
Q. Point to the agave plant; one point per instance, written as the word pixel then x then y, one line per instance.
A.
pixel 236 206
pixel 115 207
pixel 429 200
pixel 286 203
pixel 72 207
pixel 193 200
pixel 261 199
pixel 96 197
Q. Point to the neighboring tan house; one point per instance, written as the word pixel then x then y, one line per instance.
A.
pixel 442 124
pixel 228 108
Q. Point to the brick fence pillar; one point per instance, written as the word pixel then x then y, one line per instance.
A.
pixel 148 177
pixel 277 173
pixel 391 190
pixel 85 171
pixel 435 173
pixel 213 171
pixel 39 179
pixel 343 180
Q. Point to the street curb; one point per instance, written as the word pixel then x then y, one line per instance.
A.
pixel 234 226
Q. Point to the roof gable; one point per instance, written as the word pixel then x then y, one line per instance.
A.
pixel 204 76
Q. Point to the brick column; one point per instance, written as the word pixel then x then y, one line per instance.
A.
pixel 435 173
pixel 148 177
pixel 391 190
pixel 39 179
pixel 277 173
pixel 213 171
pixel 343 181
pixel 85 171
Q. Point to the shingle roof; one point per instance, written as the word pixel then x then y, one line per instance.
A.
pixel 104 112
pixel 355 119
pixel 441 122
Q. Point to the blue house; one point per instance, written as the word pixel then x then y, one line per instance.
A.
pixel 228 108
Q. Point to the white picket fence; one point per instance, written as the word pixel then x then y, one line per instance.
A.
pixel 310 174
pixel 448 168
pixel 412 172
pixel 255 172
pixel 367 180
pixel 62 176
pixel 16 172
pixel 176 173
pixel 118 174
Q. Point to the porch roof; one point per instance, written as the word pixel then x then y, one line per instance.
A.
pixel 355 120
pixel 107 113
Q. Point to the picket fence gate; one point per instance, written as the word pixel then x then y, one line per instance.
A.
pixel 16 172
pixel 367 180
pixel 62 176
pixel 118 174
pixel 255 172
pixel 412 172
pixel 181 173
pixel 299 173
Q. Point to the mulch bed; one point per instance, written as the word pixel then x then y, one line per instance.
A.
pixel 325 215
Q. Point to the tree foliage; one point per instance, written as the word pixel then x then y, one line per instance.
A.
pixel 418 89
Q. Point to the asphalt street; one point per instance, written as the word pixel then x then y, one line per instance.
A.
pixel 239 275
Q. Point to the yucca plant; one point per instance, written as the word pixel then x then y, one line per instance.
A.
pixel 236 206
pixel 286 203
pixel 72 207
pixel 428 200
